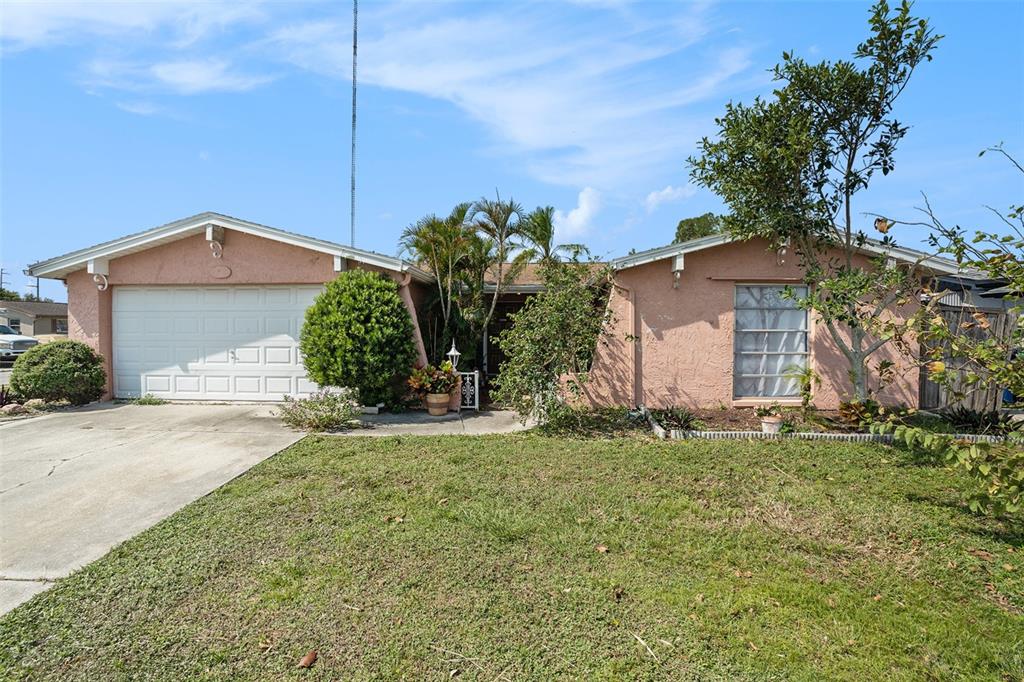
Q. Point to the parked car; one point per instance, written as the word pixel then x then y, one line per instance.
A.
pixel 13 344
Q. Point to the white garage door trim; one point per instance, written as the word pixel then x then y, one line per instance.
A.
pixel 210 342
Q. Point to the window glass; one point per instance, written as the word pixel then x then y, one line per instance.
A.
pixel 770 342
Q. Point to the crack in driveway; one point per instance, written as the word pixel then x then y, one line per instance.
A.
pixel 59 462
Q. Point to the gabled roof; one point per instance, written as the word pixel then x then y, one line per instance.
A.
pixel 61 266
pixel 871 246
pixel 36 308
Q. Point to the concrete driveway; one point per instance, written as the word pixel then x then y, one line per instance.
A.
pixel 74 484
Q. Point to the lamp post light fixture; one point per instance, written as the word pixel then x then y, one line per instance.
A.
pixel 454 355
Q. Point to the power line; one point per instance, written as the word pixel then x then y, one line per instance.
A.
pixel 355 45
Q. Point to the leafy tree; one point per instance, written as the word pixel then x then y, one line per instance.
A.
pixel 789 169
pixel 9 295
pixel 60 370
pixel 697 227
pixel 986 357
pixel 358 334
pixel 538 231
pixel 549 348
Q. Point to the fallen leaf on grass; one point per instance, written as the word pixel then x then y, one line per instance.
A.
pixel 602 549
pixel 877 597
pixel 981 554
pixel 308 660
pixel 1008 567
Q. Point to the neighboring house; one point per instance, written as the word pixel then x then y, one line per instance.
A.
pixel 35 318
pixel 209 307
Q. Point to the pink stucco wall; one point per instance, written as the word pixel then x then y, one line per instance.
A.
pixel 246 259
pixel 671 346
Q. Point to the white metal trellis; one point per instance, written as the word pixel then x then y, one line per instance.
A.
pixel 470 390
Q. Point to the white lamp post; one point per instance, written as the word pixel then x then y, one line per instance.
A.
pixel 454 355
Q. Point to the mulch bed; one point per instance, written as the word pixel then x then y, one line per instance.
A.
pixel 745 419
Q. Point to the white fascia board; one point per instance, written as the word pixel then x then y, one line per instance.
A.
pixel 62 265
pixel 670 251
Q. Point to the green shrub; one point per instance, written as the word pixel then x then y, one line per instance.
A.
pixel 61 370
pixel 678 418
pixel 324 410
pixel 359 334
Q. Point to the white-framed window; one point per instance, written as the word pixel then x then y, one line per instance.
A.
pixel 60 325
pixel 14 323
pixel 770 342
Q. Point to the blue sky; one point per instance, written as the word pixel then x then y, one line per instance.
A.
pixel 117 117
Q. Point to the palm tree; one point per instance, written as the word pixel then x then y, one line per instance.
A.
pixel 442 245
pixel 500 223
pixel 538 230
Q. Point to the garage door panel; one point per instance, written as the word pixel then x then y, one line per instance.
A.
pixel 283 385
pixel 216 297
pixel 247 325
pixel 280 298
pixel 158 383
pixel 278 355
pixel 187 384
pixel 216 325
pixel 247 356
pixel 247 385
pixel 217 342
pixel 279 325
pixel 156 326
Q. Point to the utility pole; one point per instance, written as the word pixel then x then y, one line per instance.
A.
pixel 36 287
pixel 355 44
pixel 3 273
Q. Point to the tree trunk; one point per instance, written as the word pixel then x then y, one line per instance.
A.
pixel 859 376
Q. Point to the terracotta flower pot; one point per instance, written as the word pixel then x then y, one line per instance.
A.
pixel 437 404
pixel 771 424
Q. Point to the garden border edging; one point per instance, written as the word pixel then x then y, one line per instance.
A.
pixel 679 434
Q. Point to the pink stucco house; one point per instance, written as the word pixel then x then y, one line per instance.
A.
pixel 702 324
pixel 210 308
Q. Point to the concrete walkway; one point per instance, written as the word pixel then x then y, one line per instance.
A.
pixel 420 423
pixel 74 484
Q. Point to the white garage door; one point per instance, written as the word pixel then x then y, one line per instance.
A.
pixel 210 342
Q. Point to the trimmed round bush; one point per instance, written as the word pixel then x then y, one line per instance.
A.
pixel 358 334
pixel 60 370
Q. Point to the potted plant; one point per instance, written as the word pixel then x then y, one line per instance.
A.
pixel 771 418
pixel 434 384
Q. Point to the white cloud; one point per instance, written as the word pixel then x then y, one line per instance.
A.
pixel 33 23
pixel 599 95
pixel 184 77
pixel 579 103
pixel 576 223
pixel 667 195
pixel 140 108
pixel 209 75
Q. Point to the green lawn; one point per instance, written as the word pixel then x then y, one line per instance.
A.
pixel 416 557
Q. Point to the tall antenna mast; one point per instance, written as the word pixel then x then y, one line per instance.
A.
pixel 355 49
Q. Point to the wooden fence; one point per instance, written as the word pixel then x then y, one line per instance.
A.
pixel 982 396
